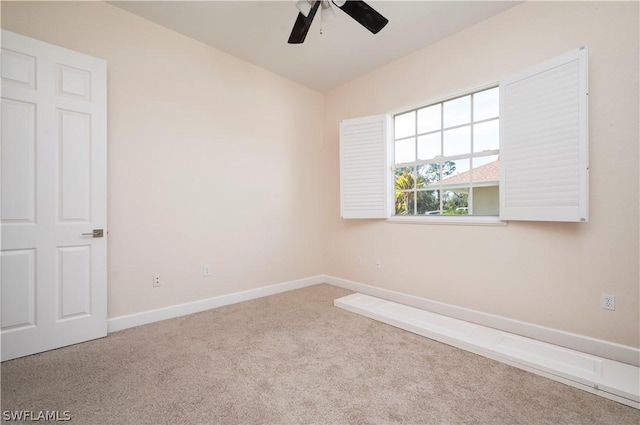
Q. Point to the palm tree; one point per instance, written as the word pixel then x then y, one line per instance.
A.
pixel 405 183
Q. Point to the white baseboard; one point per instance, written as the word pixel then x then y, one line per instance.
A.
pixel 606 378
pixel 601 348
pixel 146 317
pixel 585 344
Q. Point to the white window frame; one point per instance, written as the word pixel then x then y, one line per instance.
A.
pixel 437 219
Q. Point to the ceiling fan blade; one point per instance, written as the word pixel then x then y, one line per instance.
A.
pixel 302 25
pixel 366 15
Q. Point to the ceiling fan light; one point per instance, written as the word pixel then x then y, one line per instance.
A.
pixel 327 14
pixel 304 6
pixel 339 3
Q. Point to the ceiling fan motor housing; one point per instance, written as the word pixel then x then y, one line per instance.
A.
pixel 360 11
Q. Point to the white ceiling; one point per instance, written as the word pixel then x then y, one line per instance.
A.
pixel 257 32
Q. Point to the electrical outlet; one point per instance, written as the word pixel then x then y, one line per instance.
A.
pixel 378 264
pixel 156 281
pixel 359 261
pixel 608 302
pixel 206 271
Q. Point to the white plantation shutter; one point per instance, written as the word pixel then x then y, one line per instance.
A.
pixel 363 167
pixel 544 141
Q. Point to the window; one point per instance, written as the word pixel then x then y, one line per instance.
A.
pixel 446 157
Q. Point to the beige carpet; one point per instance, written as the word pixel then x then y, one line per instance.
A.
pixel 291 358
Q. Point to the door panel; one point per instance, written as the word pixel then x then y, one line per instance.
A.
pixel 18 161
pixel 18 288
pixel 18 69
pixel 75 83
pixel 53 194
pixel 75 166
pixel 74 281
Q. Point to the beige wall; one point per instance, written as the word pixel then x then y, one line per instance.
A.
pixel 211 160
pixel 550 274
pixel 215 161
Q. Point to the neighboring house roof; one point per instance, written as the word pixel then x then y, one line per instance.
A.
pixel 484 173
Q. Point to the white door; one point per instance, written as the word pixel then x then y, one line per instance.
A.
pixel 53 196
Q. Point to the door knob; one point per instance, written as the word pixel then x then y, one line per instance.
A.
pixel 97 233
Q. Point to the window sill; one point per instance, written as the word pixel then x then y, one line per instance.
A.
pixel 449 220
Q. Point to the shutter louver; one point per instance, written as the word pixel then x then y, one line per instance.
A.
pixel 543 142
pixel 363 164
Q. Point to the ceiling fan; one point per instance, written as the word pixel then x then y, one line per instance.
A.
pixel 358 10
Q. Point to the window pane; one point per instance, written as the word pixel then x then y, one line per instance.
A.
pixel 456 202
pixel 428 202
pixel 429 174
pixel 482 160
pixel 404 194
pixel 457 141
pixel 486 136
pixel 405 125
pixel 486 200
pixel 405 151
pixel 486 169
pixel 486 104
pixel 404 178
pixel 456 172
pixel 429 119
pixel 457 111
pixel 404 203
pixel 429 146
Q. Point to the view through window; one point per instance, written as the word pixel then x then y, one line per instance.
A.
pixel 446 157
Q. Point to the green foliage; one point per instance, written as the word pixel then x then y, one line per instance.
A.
pixel 432 172
pixel 456 211
pixel 405 181
pixel 408 180
pixel 456 203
